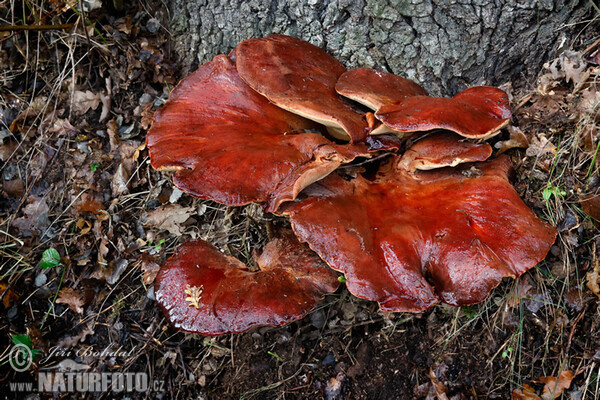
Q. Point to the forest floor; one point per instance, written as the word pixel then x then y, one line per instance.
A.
pixel 85 221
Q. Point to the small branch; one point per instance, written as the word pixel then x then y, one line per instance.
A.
pixel 35 27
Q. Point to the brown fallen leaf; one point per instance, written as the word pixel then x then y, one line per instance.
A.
pixel 35 216
pixel 90 202
pixel 8 294
pixel 149 268
pixel 83 226
pixel 593 280
pixel 147 115
pixel 6 150
pixel 82 101
pixel 554 387
pixel 526 393
pixel 522 291
pixel 440 389
pixel 169 218
pixel 72 298
pixel 591 206
pixel 540 145
pixel 517 139
pixel 14 187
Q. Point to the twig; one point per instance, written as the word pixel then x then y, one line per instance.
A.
pixel 35 27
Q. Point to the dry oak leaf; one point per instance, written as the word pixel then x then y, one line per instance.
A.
pixel 554 387
pixel 169 218
pixel 82 101
pixel 593 280
pixel 517 139
pixel 527 393
pixel 71 297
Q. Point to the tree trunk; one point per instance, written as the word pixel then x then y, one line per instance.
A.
pixel 445 45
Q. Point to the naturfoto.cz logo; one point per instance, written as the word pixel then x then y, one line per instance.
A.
pixel 70 376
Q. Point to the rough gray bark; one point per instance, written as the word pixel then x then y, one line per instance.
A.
pixel 445 45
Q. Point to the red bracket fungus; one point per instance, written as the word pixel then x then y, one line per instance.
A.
pixel 230 144
pixel 301 78
pixel 477 113
pixel 391 236
pixel 437 222
pixel 442 149
pixel 201 290
pixel 375 89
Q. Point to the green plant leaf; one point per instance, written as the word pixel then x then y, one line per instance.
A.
pixel 50 258
pixel 547 193
pixel 22 339
pixel 94 167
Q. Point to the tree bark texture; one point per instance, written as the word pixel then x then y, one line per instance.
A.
pixel 445 45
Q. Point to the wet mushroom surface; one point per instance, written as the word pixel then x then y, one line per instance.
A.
pixel 228 143
pixel 204 291
pixel 477 113
pixel 408 219
pixel 300 77
pixel 406 239
pixel 374 88
pixel 442 149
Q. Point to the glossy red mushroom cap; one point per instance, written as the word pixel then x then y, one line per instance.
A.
pixel 477 113
pixel 230 144
pixel 407 240
pixel 201 290
pixel 301 78
pixel 375 89
pixel 442 149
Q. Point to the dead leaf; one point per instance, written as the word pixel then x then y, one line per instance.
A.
pixel 521 292
pixel 149 268
pixel 6 150
pixel 169 218
pixel 555 386
pixel 119 181
pixel 83 226
pixel 14 187
pixel 527 393
pixel 588 105
pixel 440 389
pixel 106 100
pixel 575 68
pixel 82 102
pixel 71 297
pixel 517 139
pixel 147 115
pixel 539 146
pixel 9 295
pixel 35 216
pixel 590 205
pixel 593 280
pixel 63 127
pixel 90 202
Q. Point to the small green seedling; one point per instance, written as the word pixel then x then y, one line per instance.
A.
pixel 50 258
pixel 507 352
pixel 342 279
pixel 94 167
pixel 552 191
pixel 275 355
